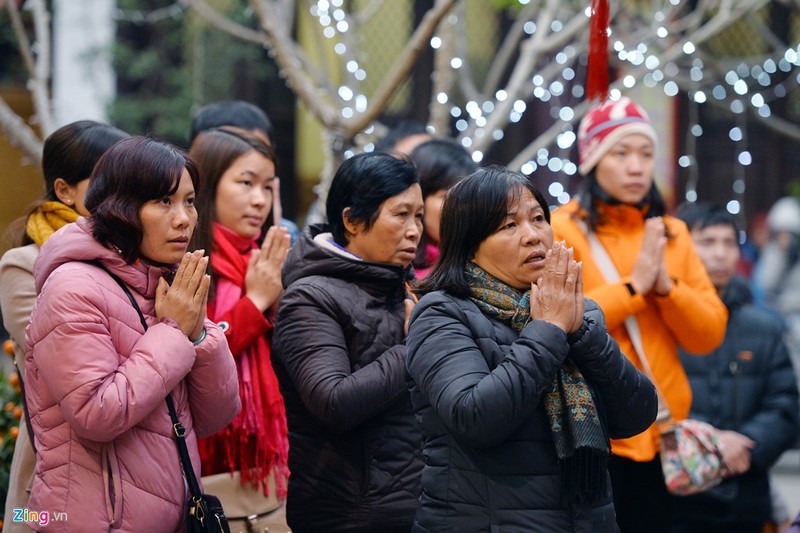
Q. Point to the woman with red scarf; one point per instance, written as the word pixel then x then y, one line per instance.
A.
pixel 246 463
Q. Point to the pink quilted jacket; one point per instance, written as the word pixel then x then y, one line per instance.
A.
pixel 95 385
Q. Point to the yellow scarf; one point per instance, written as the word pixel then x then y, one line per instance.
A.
pixel 48 219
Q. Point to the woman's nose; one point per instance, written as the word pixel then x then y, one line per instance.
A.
pixel 531 234
pixel 414 229
pixel 635 164
pixel 260 197
pixel 182 217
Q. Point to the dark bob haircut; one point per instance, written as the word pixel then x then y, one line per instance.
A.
pixel 363 183
pixel 473 210
pixel 130 174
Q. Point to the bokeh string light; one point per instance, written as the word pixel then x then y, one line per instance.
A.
pixel 659 54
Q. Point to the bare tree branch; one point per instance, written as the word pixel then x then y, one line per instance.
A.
pixel 221 22
pixel 402 67
pixel 22 38
pixel 20 134
pixel 508 49
pixel 288 60
pixel 39 84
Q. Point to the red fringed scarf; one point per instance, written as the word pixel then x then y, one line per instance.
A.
pixel 256 442
pixel 597 75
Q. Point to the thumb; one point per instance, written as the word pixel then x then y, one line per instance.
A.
pixel 163 287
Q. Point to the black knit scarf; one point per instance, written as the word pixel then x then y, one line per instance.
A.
pixel 581 440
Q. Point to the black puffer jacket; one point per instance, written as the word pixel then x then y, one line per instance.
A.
pixel 746 385
pixel 490 461
pixel 339 353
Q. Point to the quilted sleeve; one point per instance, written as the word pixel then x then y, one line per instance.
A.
pixel 479 405
pixel 101 392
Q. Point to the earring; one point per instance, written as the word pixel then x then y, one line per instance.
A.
pixel 68 202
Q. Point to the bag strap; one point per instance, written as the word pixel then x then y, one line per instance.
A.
pixel 25 412
pixel 178 429
pixel 611 275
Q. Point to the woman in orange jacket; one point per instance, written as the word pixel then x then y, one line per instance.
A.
pixel 662 283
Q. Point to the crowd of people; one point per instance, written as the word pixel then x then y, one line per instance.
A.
pixel 440 353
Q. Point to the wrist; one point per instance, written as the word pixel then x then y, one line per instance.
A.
pixel 200 338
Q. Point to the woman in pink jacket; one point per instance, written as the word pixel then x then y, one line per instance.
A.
pixel 106 456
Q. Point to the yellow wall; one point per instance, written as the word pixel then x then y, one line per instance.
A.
pixel 21 181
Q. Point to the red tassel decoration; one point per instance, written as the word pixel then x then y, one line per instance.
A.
pixel 597 76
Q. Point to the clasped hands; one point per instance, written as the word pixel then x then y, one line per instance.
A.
pixel 184 301
pixel 650 271
pixel 557 296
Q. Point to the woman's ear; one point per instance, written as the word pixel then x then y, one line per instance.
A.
pixel 350 226
pixel 65 192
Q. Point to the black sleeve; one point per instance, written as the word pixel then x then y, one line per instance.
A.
pixel 479 406
pixel 311 345
pixel 628 396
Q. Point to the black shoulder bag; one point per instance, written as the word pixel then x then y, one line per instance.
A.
pixel 205 513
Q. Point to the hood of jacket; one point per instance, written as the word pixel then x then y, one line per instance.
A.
pixel 737 294
pixel 309 258
pixel 74 242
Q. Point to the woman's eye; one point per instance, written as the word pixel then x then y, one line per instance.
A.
pixel 509 225
pixel 165 201
pixel 246 183
pixel 190 201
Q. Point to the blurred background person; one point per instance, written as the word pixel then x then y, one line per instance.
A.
pixel 746 389
pixel 68 157
pixel 97 378
pixel 402 138
pixel 441 163
pixel 246 464
pixel 339 352
pixel 617 224
pixel 515 378
pixel 777 273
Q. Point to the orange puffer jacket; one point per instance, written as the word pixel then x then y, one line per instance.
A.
pixel 691 316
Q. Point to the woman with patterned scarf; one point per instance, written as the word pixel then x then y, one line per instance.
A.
pixel 518 384
pixel 246 464
pixel 68 158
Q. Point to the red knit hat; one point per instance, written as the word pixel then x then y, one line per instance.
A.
pixel 606 125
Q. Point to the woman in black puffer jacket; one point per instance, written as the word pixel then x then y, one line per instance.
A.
pixel 518 384
pixel 339 353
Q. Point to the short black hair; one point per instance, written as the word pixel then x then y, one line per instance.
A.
pixel 701 215
pixel 441 163
pixel 130 174
pixel 473 210
pixel 403 129
pixel 236 113
pixel 363 183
